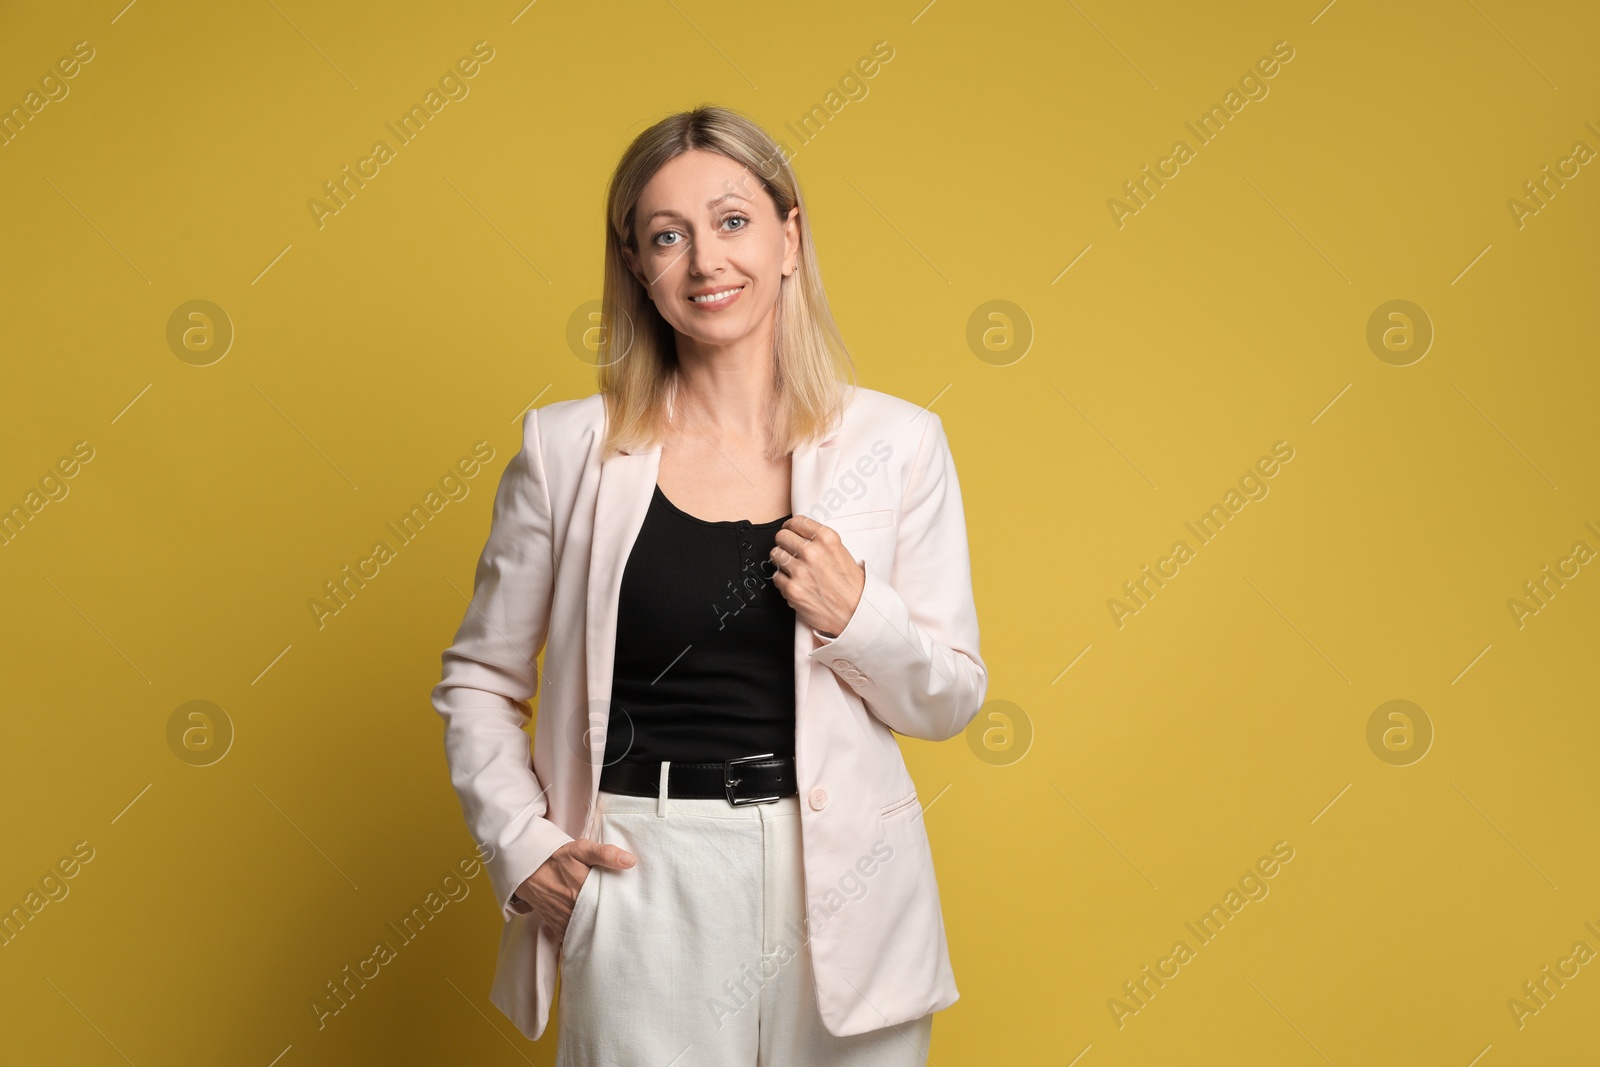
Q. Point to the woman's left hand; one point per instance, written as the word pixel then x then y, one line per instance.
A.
pixel 817 575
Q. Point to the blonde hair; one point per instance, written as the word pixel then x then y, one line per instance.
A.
pixel 638 361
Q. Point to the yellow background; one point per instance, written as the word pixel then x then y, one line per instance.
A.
pixel 1229 313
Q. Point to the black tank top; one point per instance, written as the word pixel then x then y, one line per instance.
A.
pixel 704 665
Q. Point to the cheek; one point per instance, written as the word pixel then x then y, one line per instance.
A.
pixel 663 286
pixel 771 265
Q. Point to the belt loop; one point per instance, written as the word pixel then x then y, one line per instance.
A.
pixel 661 796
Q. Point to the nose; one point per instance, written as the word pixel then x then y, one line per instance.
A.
pixel 705 258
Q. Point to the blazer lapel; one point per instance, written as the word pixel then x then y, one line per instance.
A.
pixel 627 482
pixel 810 477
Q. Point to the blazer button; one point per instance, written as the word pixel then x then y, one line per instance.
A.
pixel 843 664
pixel 819 798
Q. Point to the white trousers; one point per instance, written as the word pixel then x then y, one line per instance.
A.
pixel 696 955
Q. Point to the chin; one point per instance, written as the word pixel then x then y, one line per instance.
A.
pixel 719 337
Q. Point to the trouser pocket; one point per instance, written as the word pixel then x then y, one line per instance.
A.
pixel 581 924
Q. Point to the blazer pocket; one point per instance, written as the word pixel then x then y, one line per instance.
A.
pixel 861 520
pixel 900 807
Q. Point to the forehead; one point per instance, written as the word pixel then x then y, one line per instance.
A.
pixel 688 183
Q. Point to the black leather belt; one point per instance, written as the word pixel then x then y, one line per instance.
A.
pixel 745 780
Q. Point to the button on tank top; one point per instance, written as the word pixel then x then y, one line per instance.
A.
pixel 704 666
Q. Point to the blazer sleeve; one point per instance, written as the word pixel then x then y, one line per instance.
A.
pixel 490 676
pixel 911 647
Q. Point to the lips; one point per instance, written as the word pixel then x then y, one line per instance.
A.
pixel 716 296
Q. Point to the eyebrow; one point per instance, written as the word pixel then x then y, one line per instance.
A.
pixel 713 202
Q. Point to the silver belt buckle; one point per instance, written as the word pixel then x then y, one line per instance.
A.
pixel 729 781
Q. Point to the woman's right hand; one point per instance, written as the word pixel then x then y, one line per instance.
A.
pixel 553 889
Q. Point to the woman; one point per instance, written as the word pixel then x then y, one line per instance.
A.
pixel 751 574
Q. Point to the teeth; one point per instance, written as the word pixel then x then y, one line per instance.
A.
pixel 709 297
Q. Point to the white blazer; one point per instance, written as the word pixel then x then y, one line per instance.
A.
pixel 565 518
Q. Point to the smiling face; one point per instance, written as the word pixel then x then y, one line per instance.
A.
pixel 712 251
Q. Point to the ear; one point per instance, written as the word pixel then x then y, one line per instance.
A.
pixel 632 261
pixel 791 241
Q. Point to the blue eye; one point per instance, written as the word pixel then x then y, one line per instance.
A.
pixel 658 241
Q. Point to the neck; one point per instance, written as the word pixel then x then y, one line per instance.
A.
pixel 723 395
